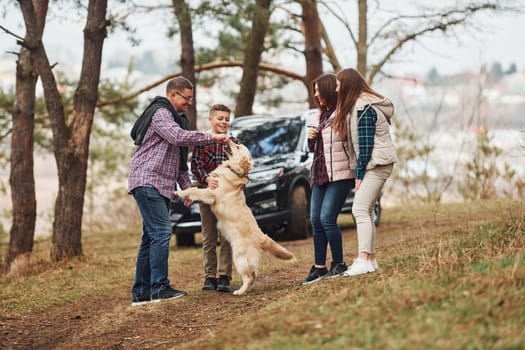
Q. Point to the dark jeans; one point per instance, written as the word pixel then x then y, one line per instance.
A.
pixel 152 262
pixel 326 203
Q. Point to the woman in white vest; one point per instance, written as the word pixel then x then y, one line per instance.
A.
pixel 372 157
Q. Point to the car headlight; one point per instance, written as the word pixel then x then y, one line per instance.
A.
pixel 266 176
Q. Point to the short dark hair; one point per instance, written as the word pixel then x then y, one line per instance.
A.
pixel 220 107
pixel 178 84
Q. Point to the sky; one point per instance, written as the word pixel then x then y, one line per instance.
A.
pixel 495 38
pixel 497 41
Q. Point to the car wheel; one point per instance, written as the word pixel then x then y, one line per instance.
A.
pixel 299 222
pixel 185 239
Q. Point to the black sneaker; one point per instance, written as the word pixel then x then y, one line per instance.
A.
pixel 336 270
pixel 223 284
pixel 210 284
pixel 142 300
pixel 166 293
pixel 316 274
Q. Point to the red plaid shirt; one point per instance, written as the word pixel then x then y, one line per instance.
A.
pixel 319 173
pixel 205 159
pixel 155 162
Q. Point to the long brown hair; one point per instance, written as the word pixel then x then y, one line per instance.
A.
pixel 351 86
pixel 326 83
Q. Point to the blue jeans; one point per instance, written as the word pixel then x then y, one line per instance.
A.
pixel 152 262
pixel 326 203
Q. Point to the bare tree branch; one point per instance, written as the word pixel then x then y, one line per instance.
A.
pixel 437 21
pixel 374 69
pixel 202 68
pixel 522 127
pixel 337 15
pixel 329 49
pixel 294 49
pixel 293 15
pixel 7 31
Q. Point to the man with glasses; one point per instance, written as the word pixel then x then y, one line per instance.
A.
pixel 159 162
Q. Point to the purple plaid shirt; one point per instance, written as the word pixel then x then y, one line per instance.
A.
pixel 155 162
pixel 205 159
pixel 319 173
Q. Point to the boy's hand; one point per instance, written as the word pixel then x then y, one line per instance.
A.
pixel 213 181
pixel 219 138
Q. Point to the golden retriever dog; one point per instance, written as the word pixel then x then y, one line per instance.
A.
pixel 235 219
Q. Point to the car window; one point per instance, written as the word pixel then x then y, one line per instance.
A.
pixel 270 138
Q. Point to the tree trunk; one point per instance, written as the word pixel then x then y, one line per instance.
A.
pixel 73 158
pixel 187 56
pixel 21 178
pixel 362 45
pixel 70 142
pixel 252 58
pixel 312 45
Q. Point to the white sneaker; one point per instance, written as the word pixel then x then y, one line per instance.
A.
pixel 359 267
pixel 374 264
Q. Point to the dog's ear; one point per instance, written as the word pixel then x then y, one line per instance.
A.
pixel 245 164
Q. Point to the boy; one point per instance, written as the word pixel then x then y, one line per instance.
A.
pixel 204 160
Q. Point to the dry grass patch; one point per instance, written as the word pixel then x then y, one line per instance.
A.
pixel 451 276
pixel 459 287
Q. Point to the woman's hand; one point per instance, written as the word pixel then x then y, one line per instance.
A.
pixel 312 132
pixel 357 184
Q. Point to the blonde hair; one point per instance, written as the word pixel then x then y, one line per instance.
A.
pixel 219 107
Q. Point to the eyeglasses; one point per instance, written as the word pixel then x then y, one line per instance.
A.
pixel 189 99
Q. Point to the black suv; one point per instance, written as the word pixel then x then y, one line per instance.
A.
pixel 278 192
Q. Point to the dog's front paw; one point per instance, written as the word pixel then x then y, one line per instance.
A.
pixel 180 194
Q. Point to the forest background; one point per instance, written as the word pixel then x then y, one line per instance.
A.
pixel 458 129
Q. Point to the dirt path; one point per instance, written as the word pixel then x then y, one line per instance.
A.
pixel 109 322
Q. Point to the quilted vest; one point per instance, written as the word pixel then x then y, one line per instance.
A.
pixel 336 153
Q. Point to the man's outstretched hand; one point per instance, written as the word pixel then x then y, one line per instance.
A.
pixel 219 138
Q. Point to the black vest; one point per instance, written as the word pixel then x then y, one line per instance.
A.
pixel 142 124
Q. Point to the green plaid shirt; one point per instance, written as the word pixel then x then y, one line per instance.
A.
pixel 366 130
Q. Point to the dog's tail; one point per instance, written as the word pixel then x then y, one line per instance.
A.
pixel 277 250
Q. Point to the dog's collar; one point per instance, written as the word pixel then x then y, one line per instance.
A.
pixel 235 171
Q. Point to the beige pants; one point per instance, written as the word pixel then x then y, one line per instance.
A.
pixel 210 237
pixel 363 207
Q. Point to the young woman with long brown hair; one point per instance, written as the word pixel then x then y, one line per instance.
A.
pixel 332 179
pixel 367 117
